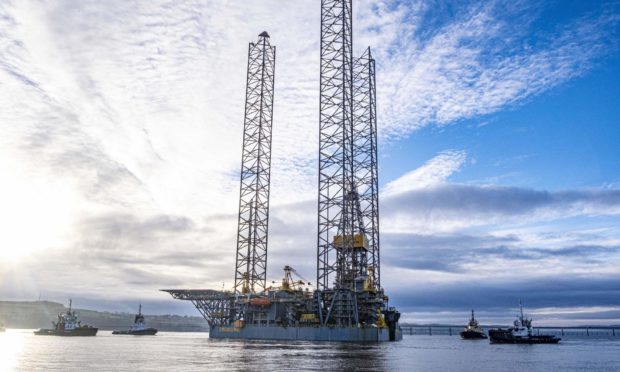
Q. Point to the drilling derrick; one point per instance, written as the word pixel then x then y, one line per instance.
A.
pixel 349 289
pixel 365 156
pixel 336 204
pixel 251 261
pixel 342 252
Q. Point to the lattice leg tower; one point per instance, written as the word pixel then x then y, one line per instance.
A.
pixel 365 156
pixel 251 261
pixel 335 145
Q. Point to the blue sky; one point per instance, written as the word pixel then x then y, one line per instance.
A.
pixel 120 146
pixel 563 138
pixel 542 140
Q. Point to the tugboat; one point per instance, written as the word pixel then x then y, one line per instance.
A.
pixel 68 325
pixel 138 328
pixel 520 333
pixel 473 331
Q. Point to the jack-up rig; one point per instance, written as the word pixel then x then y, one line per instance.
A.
pixel 349 303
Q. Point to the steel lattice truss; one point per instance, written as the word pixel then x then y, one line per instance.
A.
pixel 348 185
pixel 215 306
pixel 348 175
pixel 251 261
pixel 335 137
pixel 365 154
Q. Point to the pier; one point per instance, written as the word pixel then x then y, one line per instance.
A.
pixel 451 330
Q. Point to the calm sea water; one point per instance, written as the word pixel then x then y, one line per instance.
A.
pixel 20 350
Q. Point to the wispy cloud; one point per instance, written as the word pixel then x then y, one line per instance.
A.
pixel 435 171
pixel 486 58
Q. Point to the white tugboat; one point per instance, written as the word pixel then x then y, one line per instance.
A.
pixel 520 333
pixel 473 331
pixel 68 325
pixel 138 328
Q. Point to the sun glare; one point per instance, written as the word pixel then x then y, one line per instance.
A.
pixel 11 346
pixel 36 214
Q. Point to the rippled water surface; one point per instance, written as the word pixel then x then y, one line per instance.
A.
pixel 21 350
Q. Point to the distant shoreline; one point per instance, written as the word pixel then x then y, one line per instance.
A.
pixel 40 314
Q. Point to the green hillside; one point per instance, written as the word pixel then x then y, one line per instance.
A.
pixel 40 314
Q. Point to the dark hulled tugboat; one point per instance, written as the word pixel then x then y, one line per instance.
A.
pixel 68 325
pixel 473 331
pixel 520 333
pixel 138 328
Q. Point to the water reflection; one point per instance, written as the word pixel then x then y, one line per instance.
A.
pixel 360 357
pixel 251 355
pixel 11 346
pixel 21 350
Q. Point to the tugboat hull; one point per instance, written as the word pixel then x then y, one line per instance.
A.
pixel 142 332
pixel 90 331
pixel 472 335
pixel 138 328
pixel 499 336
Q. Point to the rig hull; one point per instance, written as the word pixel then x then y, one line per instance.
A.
pixel 337 334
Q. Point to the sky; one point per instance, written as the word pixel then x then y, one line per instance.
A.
pixel 499 151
